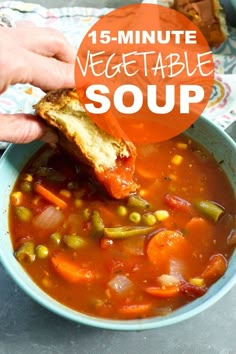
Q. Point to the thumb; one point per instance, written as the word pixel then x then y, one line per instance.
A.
pixel 24 128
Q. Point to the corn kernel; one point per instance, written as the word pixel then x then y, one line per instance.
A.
pixel 65 193
pixel 16 198
pixel 143 193
pixel 182 146
pixel 161 215
pixel 78 203
pixel 177 160
pixel 27 177
pixel 197 282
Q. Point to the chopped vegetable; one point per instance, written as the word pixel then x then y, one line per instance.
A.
pixel 178 203
pixel 65 193
pixel 49 218
pixel 78 203
pixel 197 281
pixel 164 245
pixel 23 213
pixel 26 186
pixel 97 223
pixel 161 215
pixel 135 217
pixel 177 160
pixel 71 271
pixel 215 269
pixel 74 241
pixel 136 201
pixel 182 146
pixel 55 238
pixel 16 198
pixel 135 310
pixel 27 177
pixel 191 290
pixel 168 280
pixel 26 253
pixel 48 195
pixel 163 292
pixel 149 219
pixel 127 231
pixel 231 240
pixel 210 209
pixel 86 213
pixel 41 251
pixel 120 284
pixel 122 210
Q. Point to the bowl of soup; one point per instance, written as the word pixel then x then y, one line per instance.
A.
pixel 158 257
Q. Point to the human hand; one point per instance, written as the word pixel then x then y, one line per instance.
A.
pixel 41 57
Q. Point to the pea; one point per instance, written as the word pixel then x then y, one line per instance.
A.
pixel 135 217
pixel 41 251
pixel 26 186
pixel 78 203
pixel 122 210
pixel 23 213
pixel 149 219
pixel 55 238
pixel 26 253
pixel 74 241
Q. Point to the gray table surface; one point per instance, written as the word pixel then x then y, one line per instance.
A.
pixel 26 327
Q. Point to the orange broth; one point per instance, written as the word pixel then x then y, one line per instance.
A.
pixel 128 277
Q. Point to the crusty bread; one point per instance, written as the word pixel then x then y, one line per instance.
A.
pixel 208 15
pixel 110 159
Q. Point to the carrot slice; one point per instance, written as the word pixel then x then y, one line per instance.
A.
pixel 216 267
pixel 163 292
pixel 135 309
pixel 71 271
pixel 51 197
pixel 165 245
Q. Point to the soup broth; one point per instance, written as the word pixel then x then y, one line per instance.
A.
pixel 140 257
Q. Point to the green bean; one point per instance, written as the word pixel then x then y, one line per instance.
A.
pixel 41 251
pixel 122 210
pixel 149 219
pixel 135 217
pixel 23 213
pixel 136 201
pixel 126 231
pixel 74 241
pixel 26 253
pixel 97 223
pixel 55 238
pixel 209 209
pixel 26 186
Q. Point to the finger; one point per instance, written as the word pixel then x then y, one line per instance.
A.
pixel 48 73
pixel 25 24
pixel 50 42
pixel 24 128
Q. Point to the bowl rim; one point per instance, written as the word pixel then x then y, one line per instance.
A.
pixel 175 317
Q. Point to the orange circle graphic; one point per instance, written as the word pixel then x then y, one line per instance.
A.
pixel 144 73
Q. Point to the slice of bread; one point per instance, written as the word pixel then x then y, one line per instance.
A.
pixel 111 160
pixel 208 15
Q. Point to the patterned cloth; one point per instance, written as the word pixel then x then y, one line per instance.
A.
pixel 74 22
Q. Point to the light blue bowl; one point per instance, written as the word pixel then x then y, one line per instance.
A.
pixel 208 135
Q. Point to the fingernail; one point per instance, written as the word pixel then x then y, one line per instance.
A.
pixel 50 136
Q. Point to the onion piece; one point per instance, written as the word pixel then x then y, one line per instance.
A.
pixel 168 280
pixel 49 218
pixel 120 284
